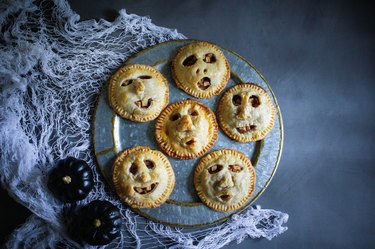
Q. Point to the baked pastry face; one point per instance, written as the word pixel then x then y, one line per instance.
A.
pixel 224 180
pixel 200 69
pixel 186 129
pixel 246 112
pixel 143 178
pixel 138 92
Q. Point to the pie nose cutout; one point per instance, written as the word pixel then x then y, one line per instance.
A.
pixel 144 177
pixel 139 86
pixel 243 113
pixel 226 181
pixel 185 124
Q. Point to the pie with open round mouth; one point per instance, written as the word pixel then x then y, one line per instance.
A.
pixel 224 180
pixel 200 69
pixel 186 129
pixel 138 92
pixel 143 178
pixel 246 112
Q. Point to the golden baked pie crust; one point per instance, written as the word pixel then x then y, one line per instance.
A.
pixel 187 80
pixel 174 150
pixel 202 190
pixel 136 92
pixel 225 109
pixel 123 179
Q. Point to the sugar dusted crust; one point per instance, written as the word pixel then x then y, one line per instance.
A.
pixel 163 139
pixel 186 78
pixel 201 184
pixel 128 109
pixel 120 171
pixel 266 114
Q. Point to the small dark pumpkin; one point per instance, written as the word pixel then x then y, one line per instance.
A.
pixel 99 222
pixel 71 180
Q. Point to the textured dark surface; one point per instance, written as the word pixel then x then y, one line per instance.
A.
pixel 319 58
pixel 12 215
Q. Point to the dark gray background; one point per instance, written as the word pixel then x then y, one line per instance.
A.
pixel 319 58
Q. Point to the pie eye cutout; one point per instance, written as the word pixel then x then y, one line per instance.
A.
pixel 254 100
pixel 194 113
pixel 235 168
pixel 236 100
pixel 127 82
pixel 144 77
pixel 133 168
pixel 175 117
pixel 189 61
pixel 209 58
pixel 215 168
pixel 204 83
pixel 149 164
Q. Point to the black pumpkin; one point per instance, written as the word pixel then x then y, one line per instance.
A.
pixel 99 223
pixel 71 180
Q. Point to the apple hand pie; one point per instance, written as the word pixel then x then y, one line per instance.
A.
pixel 224 180
pixel 138 92
pixel 143 178
pixel 186 129
pixel 200 69
pixel 246 112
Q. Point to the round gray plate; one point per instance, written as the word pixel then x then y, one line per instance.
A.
pixel 112 134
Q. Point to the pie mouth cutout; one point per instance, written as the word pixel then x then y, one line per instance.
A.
pixel 146 190
pixel 225 197
pixel 204 83
pixel 144 105
pixel 246 128
pixel 189 142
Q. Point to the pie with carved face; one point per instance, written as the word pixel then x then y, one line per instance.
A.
pixel 143 178
pixel 138 92
pixel 224 180
pixel 186 129
pixel 246 112
pixel 200 69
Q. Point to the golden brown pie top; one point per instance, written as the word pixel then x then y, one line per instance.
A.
pixel 246 112
pixel 186 129
pixel 138 92
pixel 143 178
pixel 201 69
pixel 224 180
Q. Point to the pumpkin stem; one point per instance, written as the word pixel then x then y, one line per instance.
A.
pixel 67 179
pixel 97 223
